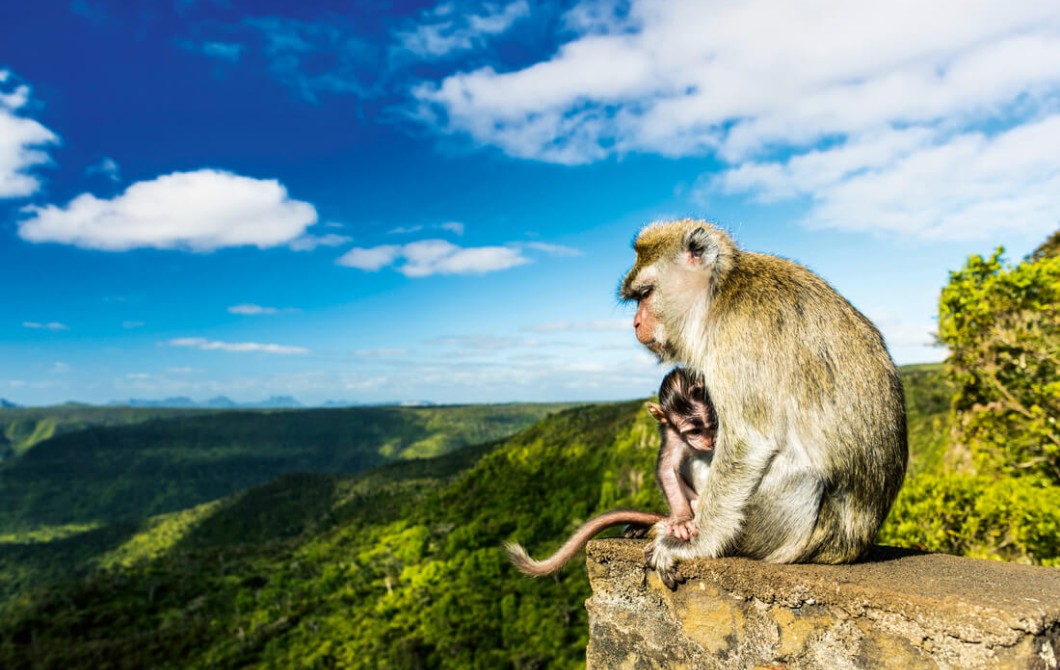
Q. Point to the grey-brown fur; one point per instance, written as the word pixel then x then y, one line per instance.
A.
pixel 811 449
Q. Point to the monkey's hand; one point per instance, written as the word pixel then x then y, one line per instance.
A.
pixel 682 527
pixel 660 557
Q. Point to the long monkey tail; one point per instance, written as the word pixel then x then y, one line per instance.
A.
pixel 529 566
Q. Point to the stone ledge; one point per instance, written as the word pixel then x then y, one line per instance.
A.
pixel 897 609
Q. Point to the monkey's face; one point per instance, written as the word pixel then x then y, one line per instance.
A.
pixel 677 265
pixel 697 429
pixel 641 284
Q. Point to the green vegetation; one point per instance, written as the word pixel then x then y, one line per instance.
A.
pixel 21 428
pixel 927 399
pixel 993 489
pixel 114 473
pixel 400 567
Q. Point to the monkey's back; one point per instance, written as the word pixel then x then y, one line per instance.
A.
pixel 791 359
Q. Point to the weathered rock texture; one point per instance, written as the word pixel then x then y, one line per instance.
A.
pixel 898 609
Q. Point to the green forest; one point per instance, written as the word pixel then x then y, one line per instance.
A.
pixel 372 537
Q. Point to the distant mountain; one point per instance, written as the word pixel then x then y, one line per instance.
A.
pixel 218 402
pixel 341 403
pixel 275 402
pixel 7 404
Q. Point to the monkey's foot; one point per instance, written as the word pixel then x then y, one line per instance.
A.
pixel 635 531
pixel 683 528
pixel 664 564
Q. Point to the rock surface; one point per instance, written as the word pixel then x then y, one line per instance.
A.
pixel 897 609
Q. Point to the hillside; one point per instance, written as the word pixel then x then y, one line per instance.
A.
pixel 106 473
pixel 399 567
pixel 21 428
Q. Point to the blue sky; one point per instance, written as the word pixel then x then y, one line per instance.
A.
pixel 373 201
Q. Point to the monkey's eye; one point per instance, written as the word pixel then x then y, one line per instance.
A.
pixel 643 293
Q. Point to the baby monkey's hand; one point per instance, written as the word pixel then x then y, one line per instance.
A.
pixel 683 527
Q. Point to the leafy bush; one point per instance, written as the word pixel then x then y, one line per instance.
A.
pixel 1002 327
pixel 999 497
pixel 973 515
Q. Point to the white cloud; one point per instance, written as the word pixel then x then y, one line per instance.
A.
pixel 909 340
pixel 448 29
pixel 478 343
pixel 20 142
pixel 197 211
pixel 252 309
pixel 54 325
pixel 596 17
pixel 107 167
pixel 370 259
pixel 227 51
pixel 235 347
pixel 617 325
pixel 454 227
pixel 381 353
pixel 60 368
pixel 796 98
pixel 405 230
pixel 965 185
pixel 248 309
pixel 430 257
pixel 311 242
pixel 552 249
pixel 686 77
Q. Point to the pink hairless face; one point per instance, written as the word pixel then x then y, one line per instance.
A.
pixel 696 431
pixel 644 323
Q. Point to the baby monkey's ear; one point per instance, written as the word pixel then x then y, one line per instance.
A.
pixel 657 412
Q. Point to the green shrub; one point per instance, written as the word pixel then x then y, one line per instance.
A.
pixel 1000 518
pixel 1002 327
pixel 996 492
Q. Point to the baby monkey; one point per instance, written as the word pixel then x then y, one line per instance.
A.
pixel 688 427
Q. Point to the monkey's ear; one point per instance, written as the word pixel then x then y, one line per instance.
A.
pixel 699 247
pixel 657 412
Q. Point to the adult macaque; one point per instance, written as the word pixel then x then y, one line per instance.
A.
pixel 688 429
pixel 811 449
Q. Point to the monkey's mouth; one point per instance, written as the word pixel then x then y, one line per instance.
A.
pixel 656 347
